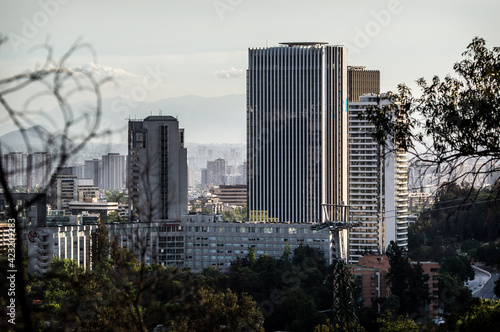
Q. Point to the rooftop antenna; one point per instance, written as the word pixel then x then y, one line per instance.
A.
pixel 159 111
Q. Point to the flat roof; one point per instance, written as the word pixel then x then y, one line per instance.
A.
pixel 303 43
pixel 160 118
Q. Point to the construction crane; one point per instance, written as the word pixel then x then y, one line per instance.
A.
pixel 345 307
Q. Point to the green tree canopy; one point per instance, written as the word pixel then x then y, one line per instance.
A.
pixel 455 120
pixel 481 317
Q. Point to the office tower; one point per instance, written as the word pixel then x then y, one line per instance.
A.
pixel 204 177
pixel 93 170
pixel 113 172
pixel 361 81
pixel 79 171
pixel 39 169
pixel 216 172
pixel 16 164
pixel 63 189
pixel 378 187
pixel 296 131
pixel 157 172
pixel 191 178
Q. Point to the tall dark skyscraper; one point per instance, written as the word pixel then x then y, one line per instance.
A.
pixel 157 172
pixel 296 131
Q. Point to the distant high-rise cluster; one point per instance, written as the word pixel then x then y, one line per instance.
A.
pixel 30 171
pixel 107 173
pixel 218 172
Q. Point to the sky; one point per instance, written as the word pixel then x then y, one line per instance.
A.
pixel 162 49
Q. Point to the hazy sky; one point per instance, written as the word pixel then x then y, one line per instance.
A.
pixel 160 49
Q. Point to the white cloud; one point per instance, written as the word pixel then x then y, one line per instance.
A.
pixel 230 73
pixel 101 72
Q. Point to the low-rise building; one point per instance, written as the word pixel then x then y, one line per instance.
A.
pixel 370 276
pixel 72 242
pixel 32 216
pixel 102 208
pixel 209 242
pixel 196 242
pixel 232 195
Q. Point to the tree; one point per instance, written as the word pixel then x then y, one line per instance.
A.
pixel 458 266
pixel 496 290
pixel 398 273
pixel 116 196
pixel 219 311
pixel 56 80
pixel 390 323
pixel 407 282
pixel 100 243
pixel 456 120
pixel 454 296
pixel 481 317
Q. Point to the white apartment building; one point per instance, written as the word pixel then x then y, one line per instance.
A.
pixel 72 242
pixel 378 187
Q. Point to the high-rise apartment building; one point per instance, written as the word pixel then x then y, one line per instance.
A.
pixel 361 81
pixel 157 172
pixel 216 172
pixel 296 131
pixel 92 170
pixel 63 189
pixel 378 187
pixel 113 172
pixel 16 165
pixel 39 169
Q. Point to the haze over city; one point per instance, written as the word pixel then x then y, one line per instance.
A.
pixel 180 49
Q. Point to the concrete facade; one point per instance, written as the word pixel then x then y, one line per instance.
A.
pixel 378 187
pixel 157 179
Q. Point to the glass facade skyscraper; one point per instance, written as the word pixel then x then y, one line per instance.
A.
pixel 296 132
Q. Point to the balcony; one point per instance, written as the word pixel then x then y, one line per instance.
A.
pixel 40 241
pixel 42 251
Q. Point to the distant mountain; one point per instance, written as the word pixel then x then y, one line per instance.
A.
pixel 41 140
pixel 36 137
pixel 205 119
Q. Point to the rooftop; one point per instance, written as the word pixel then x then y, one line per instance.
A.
pixel 290 44
pixel 160 118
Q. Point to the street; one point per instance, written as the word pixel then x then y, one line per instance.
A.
pixel 484 282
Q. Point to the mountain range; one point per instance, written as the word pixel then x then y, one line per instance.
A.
pixel 204 119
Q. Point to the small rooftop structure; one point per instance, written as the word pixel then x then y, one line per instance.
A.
pixel 291 44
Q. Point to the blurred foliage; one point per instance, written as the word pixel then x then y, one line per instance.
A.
pixel 481 317
pixel 238 214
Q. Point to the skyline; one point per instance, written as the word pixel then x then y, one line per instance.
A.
pixel 169 50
